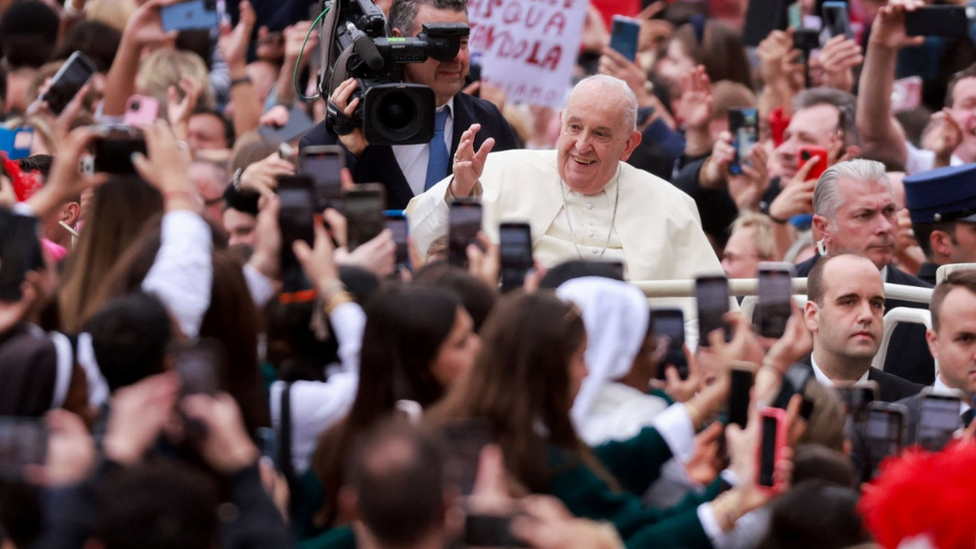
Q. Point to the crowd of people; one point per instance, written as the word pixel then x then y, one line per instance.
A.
pixel 165 384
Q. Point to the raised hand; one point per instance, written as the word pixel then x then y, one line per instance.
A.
pixel 942 136
pixel 838 58
pixel 888 30
pixel 747 188
pixel 233 44
pixel 468 164
pixel 695 108
pixel 354 141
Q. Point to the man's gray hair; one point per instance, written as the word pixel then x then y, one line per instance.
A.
pixel 607 81
pixel 844 102
pixel 826 197
pixel 404 12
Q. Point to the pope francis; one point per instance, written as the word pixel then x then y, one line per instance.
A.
pixel 581 200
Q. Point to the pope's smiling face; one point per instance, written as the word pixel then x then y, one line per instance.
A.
pixel 596 135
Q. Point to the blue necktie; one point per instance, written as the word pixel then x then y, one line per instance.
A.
pixel 437 165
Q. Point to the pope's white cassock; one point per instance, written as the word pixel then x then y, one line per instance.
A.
pixel 652 227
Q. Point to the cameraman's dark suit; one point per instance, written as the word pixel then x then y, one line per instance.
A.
pixel 908 352
pixel 379 165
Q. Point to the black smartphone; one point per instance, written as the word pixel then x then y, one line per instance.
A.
pixel 744 126
pixel 396 221
pixel 20 253
pixel 324 165
pixel 113 149
pixel 670 323
pixel 465 222
pixel 68 81
pixel 364 214
pixel 884 432
pixel 775 293
pixel 515 243
pixel 23 442
pixel 490 531
pixel 299 123
pixel 806 40
pixel 624 35
pixel 739 390
pixel 712 296
pixel 463 441
pixel 857 397
pixel 943 20
pixel 199 365
pixel 295 219
pixel 836 19
pixel 939 417
pixel 772 442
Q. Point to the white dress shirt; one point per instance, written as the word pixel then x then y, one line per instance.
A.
pixel 826 381
pixel 413 159
pixel 941 388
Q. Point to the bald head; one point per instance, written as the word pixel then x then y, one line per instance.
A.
pixel 605 88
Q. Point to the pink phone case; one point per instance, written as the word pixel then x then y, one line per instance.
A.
pixel 140 111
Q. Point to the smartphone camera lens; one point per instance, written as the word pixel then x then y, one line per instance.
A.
pixel 136 105
pixel 805 155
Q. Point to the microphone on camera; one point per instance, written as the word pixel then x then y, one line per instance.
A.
pixel 365 48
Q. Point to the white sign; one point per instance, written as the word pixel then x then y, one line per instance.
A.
pixel 527 47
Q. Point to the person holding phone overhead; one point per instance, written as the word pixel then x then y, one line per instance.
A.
pixel 409 170
pixel 584 201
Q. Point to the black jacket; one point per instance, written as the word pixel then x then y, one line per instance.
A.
pixel 891 387
pixel 927 272
pixel 908 353
pixel 379 165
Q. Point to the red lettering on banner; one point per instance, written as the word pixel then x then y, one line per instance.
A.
pixel 558 20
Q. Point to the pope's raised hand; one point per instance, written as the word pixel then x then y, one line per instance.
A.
pixel 468 164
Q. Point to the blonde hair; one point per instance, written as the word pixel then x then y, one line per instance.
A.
pixel 164 68
pixel 765 240
pixel 114 13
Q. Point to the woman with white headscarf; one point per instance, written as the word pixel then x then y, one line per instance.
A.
pixel 613 403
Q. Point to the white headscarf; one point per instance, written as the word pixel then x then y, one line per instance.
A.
pixel 616 317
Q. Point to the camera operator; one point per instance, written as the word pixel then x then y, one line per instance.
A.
pixel 408 170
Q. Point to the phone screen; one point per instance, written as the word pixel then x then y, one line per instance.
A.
pixel 364 215
pixel 744 126
pixel 515 242
pixel 939 418
pixel 20 252
pixel 767 454
pixel 712 295
pixel 68 81
pixel 883 435
pixel 23 442
pixel 397 224
pixel 463 230
pixel 325 169
pixel 739 396
pixel 624 37
pixel 199 365
pixel 775 290
pixel 670 323
pixel 113 153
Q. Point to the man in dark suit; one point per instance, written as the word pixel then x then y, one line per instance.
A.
pixel 845 312
pixel 462 121
pixel 952 341
pixel 854 209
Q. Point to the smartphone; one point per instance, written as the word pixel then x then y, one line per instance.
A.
pixel 808 153
pixel 772 442
pixel 324 164
pixel 806 40
pixel 113 149
pixel 396 221
pixel 856 398
pixel 16 142
pixel 670 323
pixel 68 81
pixel 939 417
pixel 775 293
pixel 623 36
pixel 23 442
pixel 906 94
pixel 463 441
pixel 739 390
pixel 364 214
pixel 744 126
pixel 943 20
pixel 267 445
pixel 465 222
pixel 884 432
pixel 712 296
pixel 20 253
pixel 836 19
pixel 490 531
pixel 140 110
pixel 515 243
pixel 295 219
pixel 199 365
pixel 192 15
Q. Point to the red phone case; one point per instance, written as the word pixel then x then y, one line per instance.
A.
pixel 807 154
pixel 780 416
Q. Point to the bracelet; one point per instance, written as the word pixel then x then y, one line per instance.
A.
pixel 331 288
pixel 777 220
pixel 240 80
pixel 334 301
pixel 236 181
